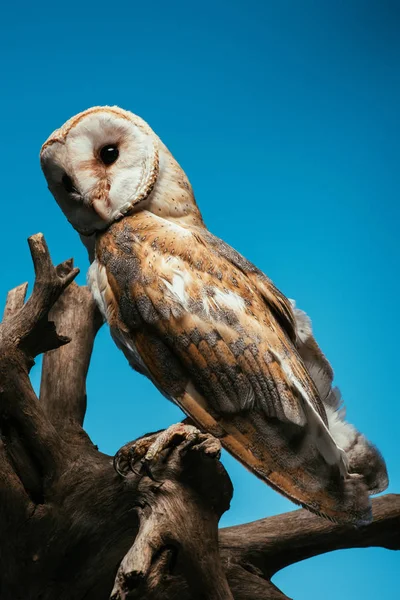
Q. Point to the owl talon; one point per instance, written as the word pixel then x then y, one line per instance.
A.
pixel 190 441
pixel 170 438
pixel 118 459
pixel 146 468
pixel 186 437
pixel 130 454
pixel 135 456
pixel 139 457
pixel 209 446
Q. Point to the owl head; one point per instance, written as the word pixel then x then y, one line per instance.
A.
pixel 106 161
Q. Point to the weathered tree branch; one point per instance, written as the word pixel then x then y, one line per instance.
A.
pixel 70 525
pixel 25 333
pixel 29 328
pixel 15 301
pixel 64 370
pixel 271 544
pixel 178 528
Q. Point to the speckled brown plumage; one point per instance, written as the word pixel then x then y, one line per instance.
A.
pixel 222 366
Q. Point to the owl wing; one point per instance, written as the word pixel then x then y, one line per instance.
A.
pixel 364 458
pixel 219 342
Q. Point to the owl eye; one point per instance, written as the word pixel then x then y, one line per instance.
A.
pixel 67 183
pixel 109 154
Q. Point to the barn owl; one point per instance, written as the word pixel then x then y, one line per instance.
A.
pixel 207 327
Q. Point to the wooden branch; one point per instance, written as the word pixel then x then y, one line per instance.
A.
pixel 253 552
pixel 178 530
pixel 64 370
pixel 29 325
pixel 15 300
pixel 13 456
pixel 274 543
pixel 25 332
pixel 247 583
pixel 15 504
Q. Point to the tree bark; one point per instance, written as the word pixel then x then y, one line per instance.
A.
pixel 72 528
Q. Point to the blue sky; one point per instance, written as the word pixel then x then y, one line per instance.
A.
pixel 285 116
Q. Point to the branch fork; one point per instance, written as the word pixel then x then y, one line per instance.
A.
pixel 28 324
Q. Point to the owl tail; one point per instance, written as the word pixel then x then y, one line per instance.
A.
pixel 365 460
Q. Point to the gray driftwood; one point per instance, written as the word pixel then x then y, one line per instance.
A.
pixel 72 528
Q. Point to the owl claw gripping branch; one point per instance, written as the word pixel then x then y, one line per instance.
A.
pixel 205 325
pixel 142 454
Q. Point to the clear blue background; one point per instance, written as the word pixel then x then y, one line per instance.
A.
pixel 285 116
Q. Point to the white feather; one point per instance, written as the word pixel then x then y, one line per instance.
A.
pixel 97 282
pixel 178 286
pixel 227 299
pixel 303 322
pixel 330 450
pixel 342 432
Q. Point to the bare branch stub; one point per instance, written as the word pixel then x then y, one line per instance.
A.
pixel 15 300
